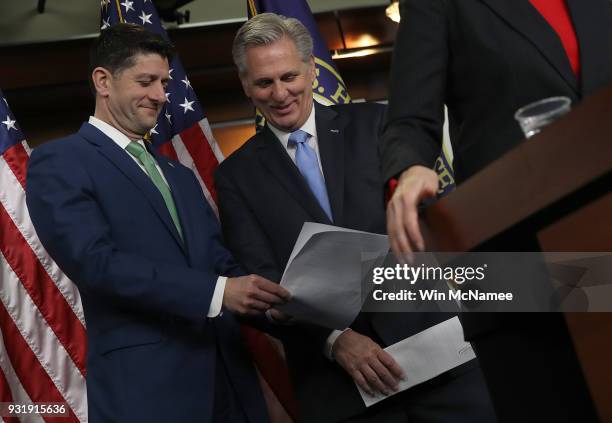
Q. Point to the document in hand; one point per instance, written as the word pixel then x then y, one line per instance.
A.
pixel 427 354
pixel 324 273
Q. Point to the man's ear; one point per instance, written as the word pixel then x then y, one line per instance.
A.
pixel 102 80
pixel 313 68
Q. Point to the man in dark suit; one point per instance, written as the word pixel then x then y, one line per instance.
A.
pixel 135 233
pixel 484 59
pixel 320 164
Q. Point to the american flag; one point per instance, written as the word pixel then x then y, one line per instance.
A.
pixel 183 133
pixel 42 327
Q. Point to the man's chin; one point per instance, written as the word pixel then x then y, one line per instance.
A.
pixel 284 123
pixel 143 130
pixel 150 124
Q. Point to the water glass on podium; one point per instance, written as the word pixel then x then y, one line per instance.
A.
pixel 534 116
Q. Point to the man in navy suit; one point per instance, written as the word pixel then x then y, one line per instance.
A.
pixel 135 233
pixel 313 163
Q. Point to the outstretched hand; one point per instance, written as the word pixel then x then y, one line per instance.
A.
pixel 252 295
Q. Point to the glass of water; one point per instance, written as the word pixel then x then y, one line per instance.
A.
pixel 535 116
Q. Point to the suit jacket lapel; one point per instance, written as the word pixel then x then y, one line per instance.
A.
pixel 180 202
pixel 330 136
pixel 523 17
pixel 132 172
pixel 593 24
pixel 275 159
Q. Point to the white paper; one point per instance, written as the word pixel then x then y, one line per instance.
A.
pixel 324 273
pixel 426 355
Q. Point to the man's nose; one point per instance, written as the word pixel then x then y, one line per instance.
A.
pixel 279 91
pixel 158 92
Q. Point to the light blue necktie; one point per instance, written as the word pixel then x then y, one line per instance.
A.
pixel 306 161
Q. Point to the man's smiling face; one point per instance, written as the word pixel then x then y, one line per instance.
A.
pixel 136 95
pixel 279 83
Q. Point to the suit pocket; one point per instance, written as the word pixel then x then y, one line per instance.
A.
pixel 126 337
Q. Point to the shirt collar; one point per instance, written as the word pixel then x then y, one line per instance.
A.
pixel 309 126
pixel 113 133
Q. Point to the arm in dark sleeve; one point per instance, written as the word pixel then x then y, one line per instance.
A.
pixel 63 206
pixel 251 247
pixel 224 262
pixel 415 116
pixel 242 232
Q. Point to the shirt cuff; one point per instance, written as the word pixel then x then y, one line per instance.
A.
pixel 217 299
pixel 328 349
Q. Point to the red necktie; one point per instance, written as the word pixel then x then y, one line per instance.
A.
pixel 557 15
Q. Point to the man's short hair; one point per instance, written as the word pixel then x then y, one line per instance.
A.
pixel 117 47
pixel 265 29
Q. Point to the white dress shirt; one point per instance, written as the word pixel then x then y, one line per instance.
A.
pixel 310 127
pixel 122 141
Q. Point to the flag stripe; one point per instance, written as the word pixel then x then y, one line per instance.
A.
pixel 5 390
pixel 14 391
pixel 167 149
pixel 186 160
pixel 269 361
pixel 27 365
pixel 202 155
pixel 5 396
pixel 16 159
pixel 13 199
pixel 43 291
pixel 38 342
pixel 214 146
pixel 26 147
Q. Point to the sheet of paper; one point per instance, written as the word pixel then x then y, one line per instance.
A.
pixel 427 354
pixel 324 273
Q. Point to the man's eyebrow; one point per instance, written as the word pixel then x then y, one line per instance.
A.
pixel 145 75
pixel 289 74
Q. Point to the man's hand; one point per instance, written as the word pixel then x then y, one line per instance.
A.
pixel 415 184
pixel 252 294
pixel 371 367
pixel 278 316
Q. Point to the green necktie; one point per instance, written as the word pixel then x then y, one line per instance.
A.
pixel 138 151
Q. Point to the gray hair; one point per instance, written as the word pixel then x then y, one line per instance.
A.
pixel 265 29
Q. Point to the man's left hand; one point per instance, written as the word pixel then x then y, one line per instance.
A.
pixel 371 367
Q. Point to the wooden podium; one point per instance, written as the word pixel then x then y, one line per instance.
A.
pixel 557 187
